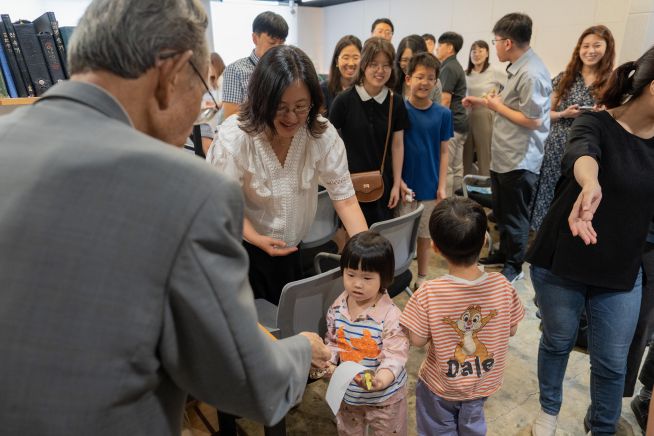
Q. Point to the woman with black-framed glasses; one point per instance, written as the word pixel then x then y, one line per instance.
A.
pixel 279 148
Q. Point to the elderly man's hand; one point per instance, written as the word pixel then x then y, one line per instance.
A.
pixel 320 353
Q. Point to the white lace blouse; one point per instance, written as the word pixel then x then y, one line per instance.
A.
pixel 280 201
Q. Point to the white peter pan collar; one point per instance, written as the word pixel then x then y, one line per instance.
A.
pixel 363 94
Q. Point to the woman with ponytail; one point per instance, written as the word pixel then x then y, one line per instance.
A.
pixel 587 253
pixel 575 91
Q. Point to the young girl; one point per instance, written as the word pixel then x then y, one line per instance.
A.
pixel 361 115
pixel 363 326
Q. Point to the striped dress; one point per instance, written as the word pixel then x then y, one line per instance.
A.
pixel 375 340
pixel 469 324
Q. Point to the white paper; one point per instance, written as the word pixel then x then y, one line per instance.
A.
pixel 339 383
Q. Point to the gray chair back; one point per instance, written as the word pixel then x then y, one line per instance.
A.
pixel 324 225
pixel 402 232
pixel 304 303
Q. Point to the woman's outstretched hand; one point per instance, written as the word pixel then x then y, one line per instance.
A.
pixel 581 216
pixel 273 247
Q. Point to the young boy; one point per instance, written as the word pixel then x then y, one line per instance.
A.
pixel 467 316
pixel 425 149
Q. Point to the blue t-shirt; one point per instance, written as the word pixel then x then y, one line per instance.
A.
pixel 422 148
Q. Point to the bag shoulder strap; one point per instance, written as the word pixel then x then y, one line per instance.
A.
pixel 388 130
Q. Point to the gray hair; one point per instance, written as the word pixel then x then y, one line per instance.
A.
pixel 125 37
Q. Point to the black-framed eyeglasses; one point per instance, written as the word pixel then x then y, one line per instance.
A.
pixel 206 114
pixel 494 41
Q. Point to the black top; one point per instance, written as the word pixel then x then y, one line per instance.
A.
pixel 626 168
pixel 453 81
pixel 363 125
pixel 329 98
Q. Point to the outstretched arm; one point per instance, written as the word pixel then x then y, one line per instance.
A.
pixel 586 170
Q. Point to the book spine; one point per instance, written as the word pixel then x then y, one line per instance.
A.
pixel 20 60
pixel 6 72
pixel 4 93
pixel 51 56
pixel 59 42
pixel 33 55
pixel 11 60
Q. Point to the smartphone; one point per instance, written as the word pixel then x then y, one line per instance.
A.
pixel 586 108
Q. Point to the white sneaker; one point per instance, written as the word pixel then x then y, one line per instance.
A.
pixel 544 425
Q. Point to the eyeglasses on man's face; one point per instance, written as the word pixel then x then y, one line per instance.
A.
pixel 299 111
pixel 206 114
pixel 495 41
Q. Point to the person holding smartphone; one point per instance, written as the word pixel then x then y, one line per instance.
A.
pixel 574 91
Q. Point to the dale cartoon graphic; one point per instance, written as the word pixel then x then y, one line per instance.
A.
pixel 467 327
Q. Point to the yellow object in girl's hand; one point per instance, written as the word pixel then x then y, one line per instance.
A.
pixel 367 380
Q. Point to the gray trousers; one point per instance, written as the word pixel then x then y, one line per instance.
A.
pixel 479 141
pixel 436 416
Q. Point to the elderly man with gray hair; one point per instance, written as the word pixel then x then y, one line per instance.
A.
pixel 123 279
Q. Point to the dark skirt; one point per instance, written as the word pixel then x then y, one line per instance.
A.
pixel 269 274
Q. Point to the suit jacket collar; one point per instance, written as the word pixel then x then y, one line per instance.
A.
pixel 89 95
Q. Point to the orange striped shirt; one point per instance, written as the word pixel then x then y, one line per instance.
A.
pixel 469 324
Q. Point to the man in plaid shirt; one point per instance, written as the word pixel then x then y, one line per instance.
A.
pixel 268 30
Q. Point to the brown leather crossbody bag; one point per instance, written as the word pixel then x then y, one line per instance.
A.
pixel 369 185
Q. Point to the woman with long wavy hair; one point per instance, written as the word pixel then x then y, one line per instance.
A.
pixel 575 91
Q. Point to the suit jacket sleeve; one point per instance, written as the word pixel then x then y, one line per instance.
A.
pixel 211 345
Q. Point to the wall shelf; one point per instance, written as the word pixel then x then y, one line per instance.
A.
pixel 17 101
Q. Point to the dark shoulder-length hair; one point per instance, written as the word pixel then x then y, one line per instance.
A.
pixel 604 67
pixel 334 78
pixel 629 80
pixel 371 48
pixel 370 251
pixel 280 67
pixel 417 45
pixel 478 44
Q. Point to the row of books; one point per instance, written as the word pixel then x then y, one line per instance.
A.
pixel 32 56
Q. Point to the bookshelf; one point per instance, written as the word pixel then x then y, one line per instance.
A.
pixel 9 104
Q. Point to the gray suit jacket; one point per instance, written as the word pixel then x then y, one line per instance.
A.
pixel 123 282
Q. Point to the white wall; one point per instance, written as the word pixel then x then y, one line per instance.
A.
pixel 557 23
pixel 68 12
pixel 232 26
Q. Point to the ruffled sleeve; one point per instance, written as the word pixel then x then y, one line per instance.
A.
pixel 328 157
pixel 233 152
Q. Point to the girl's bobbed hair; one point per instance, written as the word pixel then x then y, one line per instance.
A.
pixel 369 251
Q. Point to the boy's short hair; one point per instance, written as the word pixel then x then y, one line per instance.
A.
pixel 425 59
pixel 370 251
pixel 271 23
pixel 452 38
pixel 514 26
pixel 457 227
pixel 382 20
pixel 429 36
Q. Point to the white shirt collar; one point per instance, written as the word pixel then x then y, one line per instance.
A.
pixel 363 94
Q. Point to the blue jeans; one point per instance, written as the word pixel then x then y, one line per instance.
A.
pixel 612 317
